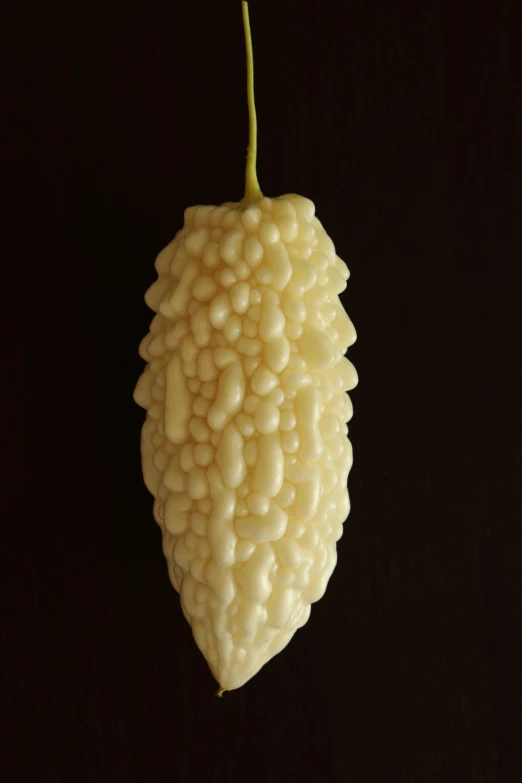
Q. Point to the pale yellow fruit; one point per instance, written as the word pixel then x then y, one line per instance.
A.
pixel 245 445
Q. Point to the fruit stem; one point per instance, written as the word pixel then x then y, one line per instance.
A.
pixel 220 692
pixel 252 189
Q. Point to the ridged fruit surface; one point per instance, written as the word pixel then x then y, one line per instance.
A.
pixel 245 445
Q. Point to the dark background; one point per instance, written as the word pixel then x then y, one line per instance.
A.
pixel 402 122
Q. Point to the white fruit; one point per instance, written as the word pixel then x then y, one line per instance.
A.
pixel 245 445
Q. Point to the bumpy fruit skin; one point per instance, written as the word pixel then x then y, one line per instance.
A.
pixel 245 445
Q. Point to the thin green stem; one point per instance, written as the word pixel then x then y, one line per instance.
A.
pixel 252 189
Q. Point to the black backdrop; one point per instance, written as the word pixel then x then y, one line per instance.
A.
pixel 402 122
